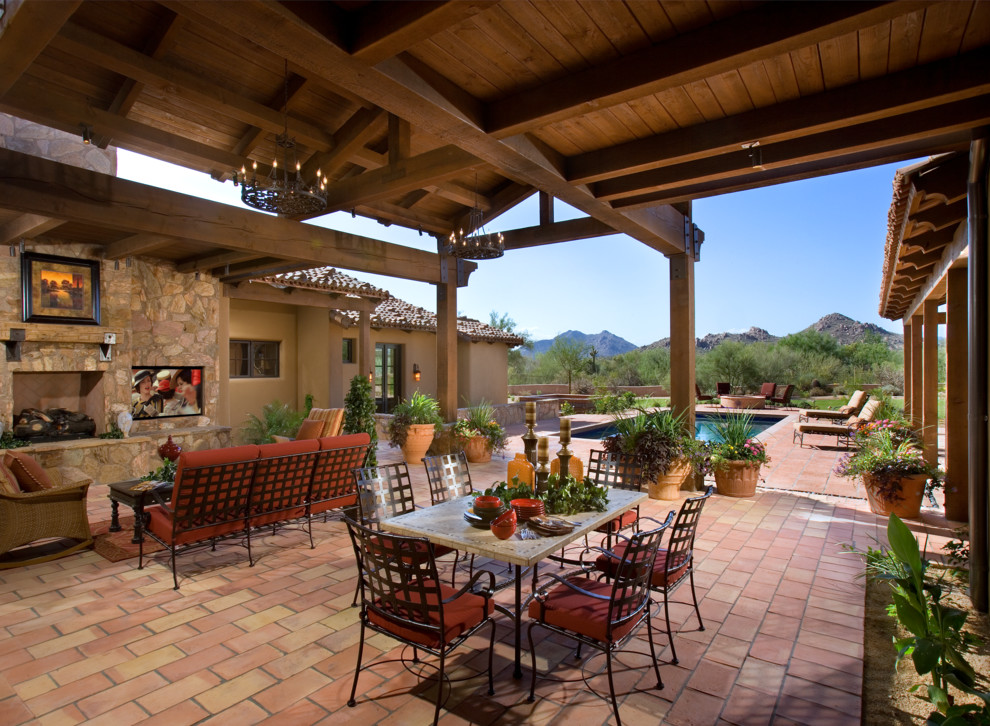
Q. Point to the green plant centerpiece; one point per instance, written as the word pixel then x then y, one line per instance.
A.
pixel 165 472
pixel 479 434
pixel 413 425
pixel 277 419
pixel 890 460
pixel 667 453
pixel 562 497
pixel 735 456
pixel 359 414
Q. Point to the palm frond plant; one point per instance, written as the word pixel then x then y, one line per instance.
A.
pixel 276 418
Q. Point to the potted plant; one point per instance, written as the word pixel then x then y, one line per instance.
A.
pixel 413 425
pixel 667 454
pixel 891 462
pixel 359 414
pixel 480 435
pixel 735 456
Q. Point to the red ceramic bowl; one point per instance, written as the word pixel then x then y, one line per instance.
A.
pixel 504 525
pixel 487 503
pixel 526 503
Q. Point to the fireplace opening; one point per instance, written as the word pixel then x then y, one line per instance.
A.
pixel 71 405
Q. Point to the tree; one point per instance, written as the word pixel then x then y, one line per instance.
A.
pixel 594 355
pixel 359 414
pixel 569 355
pixel 812 341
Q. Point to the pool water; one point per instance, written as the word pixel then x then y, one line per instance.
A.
pixel 702 427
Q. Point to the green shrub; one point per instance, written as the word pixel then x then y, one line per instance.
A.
pixel 359 414
pixel 277 419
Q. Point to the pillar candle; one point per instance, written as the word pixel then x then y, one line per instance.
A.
pixel 530 413
pixel 543 448
pixel 565 430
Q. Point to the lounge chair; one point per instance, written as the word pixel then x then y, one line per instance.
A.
pixel 701 396
pixel 723 389
pixel 320 423
pixel 782 395
pixel 843 432
pixel 766 390
pixel 855 405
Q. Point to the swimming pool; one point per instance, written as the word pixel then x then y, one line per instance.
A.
pixel 702 427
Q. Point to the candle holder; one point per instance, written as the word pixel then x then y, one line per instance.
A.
pixel 564 457
pixel 543 466
pixel 529 438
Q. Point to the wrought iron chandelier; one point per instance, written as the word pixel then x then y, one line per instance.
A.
pixel 480 245
pixel 283 191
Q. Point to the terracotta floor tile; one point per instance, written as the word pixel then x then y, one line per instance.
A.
pixel 769 648
pixel 694 708
pixel 715 679
pixel 747 707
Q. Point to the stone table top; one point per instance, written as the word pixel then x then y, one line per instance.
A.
pixel 445 524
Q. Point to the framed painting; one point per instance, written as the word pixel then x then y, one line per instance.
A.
pixel 60 289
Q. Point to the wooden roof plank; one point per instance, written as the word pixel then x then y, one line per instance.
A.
pixel 545 234
pixel 263 292
pixel 137 244
pixel 26 29
pixel 27 225
pixel 761 33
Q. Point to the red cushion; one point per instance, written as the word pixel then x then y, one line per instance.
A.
pixel 618 523
pixel 283 515
pixel 335 503
pixel 340 442
pixel 160 523
pixel 661 577
pixel 310 428
pixel 459 616
pixel 287 448
pixel 8 482
pixel 28 472
pixel 575 611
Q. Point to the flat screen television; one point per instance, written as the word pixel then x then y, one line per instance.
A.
pixel 166 392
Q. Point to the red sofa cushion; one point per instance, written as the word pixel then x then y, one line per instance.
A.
pixel 340 442
pixel 30 476
pixel 160 523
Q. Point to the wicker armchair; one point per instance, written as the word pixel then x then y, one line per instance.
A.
pixel 26 517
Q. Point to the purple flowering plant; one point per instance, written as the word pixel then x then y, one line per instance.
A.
pixel 732 440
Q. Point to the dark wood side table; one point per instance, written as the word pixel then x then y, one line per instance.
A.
pixel 133 493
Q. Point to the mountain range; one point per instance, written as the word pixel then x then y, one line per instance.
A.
pixel 844 329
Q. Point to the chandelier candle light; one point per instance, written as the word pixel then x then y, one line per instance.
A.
pixel 283 191
pixel 480 245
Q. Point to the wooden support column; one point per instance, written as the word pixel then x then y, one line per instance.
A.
pixel 222 416
pixel 447 338
pixel 956 404
pixel 929 381
pixel 366 351
pixel 917 370
pixel 907 369
pixel 682 343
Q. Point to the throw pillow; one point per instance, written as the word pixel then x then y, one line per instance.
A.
pixel 8 482
pixel 310 429
pixel 28 472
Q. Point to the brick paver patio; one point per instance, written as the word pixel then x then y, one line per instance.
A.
pixel 89 641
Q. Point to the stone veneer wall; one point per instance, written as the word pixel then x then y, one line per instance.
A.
pixel 161 318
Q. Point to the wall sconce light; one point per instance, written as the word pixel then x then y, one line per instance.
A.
pixel 416 372
pixel 371 377
pixel 87 134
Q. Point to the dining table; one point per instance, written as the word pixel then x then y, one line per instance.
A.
pixel 444 524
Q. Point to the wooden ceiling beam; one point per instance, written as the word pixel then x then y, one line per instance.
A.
pixel 357 131
pixel 213 261
pixel 739 40
pixel 395 214
pixel 321 58
pixel 383 30
pixel 27 225
pixel 26 29
pixel 934 84
pixel 264 292
pixel 505 198
pixel 414 173
pixel 546 234
pixel 941 215
pixel 259 268
pixel 959 116
pixel 137 244
pixel 832 165
pixel 39 186
pixel 102 51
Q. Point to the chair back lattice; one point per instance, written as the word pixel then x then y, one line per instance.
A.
pixel 281 482
pixel 211 495
pixel 621 471
pixel 680 547
pixel 382 492
pixel 399 579
pixel 631 586
pixel 332 479
pixel 449 477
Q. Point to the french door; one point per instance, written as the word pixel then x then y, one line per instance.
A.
pixel 388 376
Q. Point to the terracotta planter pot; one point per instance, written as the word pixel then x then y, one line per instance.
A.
pixel 908 505
pixel 477 450
pixel 738 479
pixel 668 486
pixel 418 442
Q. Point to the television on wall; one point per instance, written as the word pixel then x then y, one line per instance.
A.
pixel 166 392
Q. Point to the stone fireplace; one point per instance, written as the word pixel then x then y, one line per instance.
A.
pixel 80 391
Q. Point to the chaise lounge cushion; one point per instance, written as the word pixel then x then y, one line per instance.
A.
pixel 31 477
pixel 310 428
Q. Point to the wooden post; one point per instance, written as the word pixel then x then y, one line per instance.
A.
pixel 956 404
pixel 907 369
pixel 682 342
pixel 366 351
pixel 917 371
pixel 929 383
pixel 222 415
pixel 447 339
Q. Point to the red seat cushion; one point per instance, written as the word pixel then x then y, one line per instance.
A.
pixel 438 550
pixel 160 524
pixel 661 578
pixel 575 611
pixel 621 522
pixel 30 475
pixel 459 616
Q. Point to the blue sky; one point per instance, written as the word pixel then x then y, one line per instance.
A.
pixel 778 258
